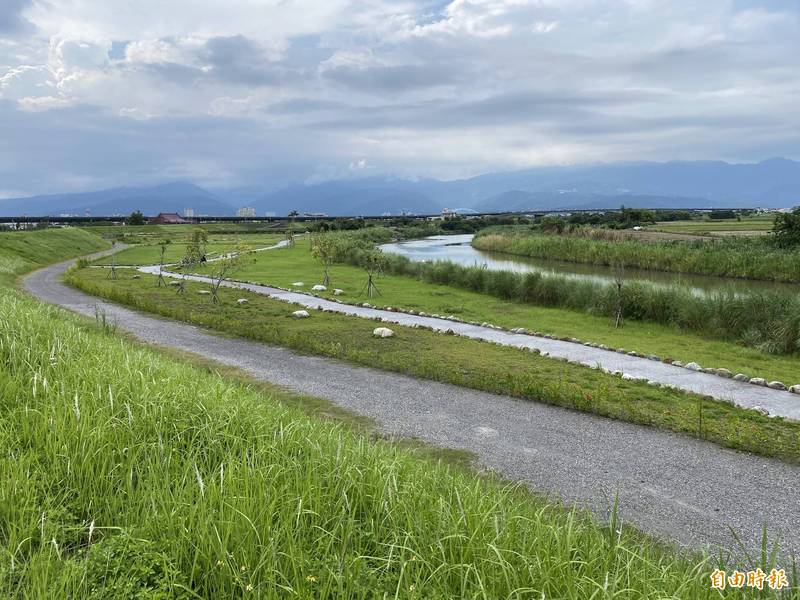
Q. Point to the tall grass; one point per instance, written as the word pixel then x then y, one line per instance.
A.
pixel 768 321
pixel 129 475
pixel 751 258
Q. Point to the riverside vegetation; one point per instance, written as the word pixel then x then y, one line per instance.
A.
pixel 767 321
pixel 743 257
pixel 145 477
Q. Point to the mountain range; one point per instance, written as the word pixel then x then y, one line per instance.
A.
pixel 773 183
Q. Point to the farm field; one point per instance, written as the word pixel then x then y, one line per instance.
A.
pixel 150 477
pixel 751 225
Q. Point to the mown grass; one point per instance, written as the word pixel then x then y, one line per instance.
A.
pixel 22 251
pixel 459 361
pixel 150 253
pixel 757 224
pixel 286 266
pixel 127 474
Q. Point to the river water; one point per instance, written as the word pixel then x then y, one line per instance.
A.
pixel 458 249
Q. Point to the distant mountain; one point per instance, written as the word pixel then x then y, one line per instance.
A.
pixel 773 183
pixel 172 197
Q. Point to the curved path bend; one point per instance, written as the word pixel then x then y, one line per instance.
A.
pixel 675 487
pixel 776 402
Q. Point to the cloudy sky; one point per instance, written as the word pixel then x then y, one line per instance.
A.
pixel 95 93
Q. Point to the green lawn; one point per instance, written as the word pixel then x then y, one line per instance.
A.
pixel 285 266
pixel 455 360
pixel 148 254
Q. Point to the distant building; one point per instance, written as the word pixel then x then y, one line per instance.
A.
pixel 188 213
pixel 270 213
pixel 246 211
pixel 167 219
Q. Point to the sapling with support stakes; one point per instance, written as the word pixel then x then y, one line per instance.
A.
pixel 225 267
pixel 112 273
pixel 619 281
pixel 373 264
pixel 161 282
pixel 323 248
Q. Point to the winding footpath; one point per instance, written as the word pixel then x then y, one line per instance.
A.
pixel 678 488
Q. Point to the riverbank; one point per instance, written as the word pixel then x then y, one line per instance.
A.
pixel 747 258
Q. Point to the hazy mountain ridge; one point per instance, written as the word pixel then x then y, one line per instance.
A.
pixel 773 183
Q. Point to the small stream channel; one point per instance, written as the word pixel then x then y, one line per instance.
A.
pixel 458 249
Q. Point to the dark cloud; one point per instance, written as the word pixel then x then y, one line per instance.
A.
pixel 11 19
pixel 392 79
pixel 240 60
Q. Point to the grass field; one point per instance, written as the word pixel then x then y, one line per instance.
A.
pixel 146 477
pixel 753 225
pixel 456 360
pixel 286 266
pixel 150 253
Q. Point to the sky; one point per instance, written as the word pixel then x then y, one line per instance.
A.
pixel 96 94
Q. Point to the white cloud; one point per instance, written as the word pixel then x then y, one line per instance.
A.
pixel 417 87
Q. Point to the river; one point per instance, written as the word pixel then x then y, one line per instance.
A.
pixel 458 249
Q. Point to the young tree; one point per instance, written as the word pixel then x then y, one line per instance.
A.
pixel 619 280
pixel 323 248
pixel 136 218
pixel 373 263
pixel 224 268
pixel 196 247
pixel 163 251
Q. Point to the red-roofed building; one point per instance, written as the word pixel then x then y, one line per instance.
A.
pixel 167 219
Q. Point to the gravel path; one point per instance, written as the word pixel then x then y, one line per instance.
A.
pixel 777 402
pixel 675 487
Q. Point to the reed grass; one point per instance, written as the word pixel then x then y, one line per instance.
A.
pixel 742 257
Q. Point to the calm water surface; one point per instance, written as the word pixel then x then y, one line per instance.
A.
pixel 458 249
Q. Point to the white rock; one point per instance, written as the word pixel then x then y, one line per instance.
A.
pixel 795 389
pixel 298 284
pixel 741 377
pixel 300 314
pixel 723 373
pixel 382 332
pixel 137 276
pixel 758 381
pixel 761 410
pixel 241 301
pixel 204 292
pixel 776 385
pixel 174 283
pixel 693 366
pixel 319 288
pixel 338 292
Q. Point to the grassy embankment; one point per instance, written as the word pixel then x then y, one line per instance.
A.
pixel 455 360
pixel 146 477
pixel 730 257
